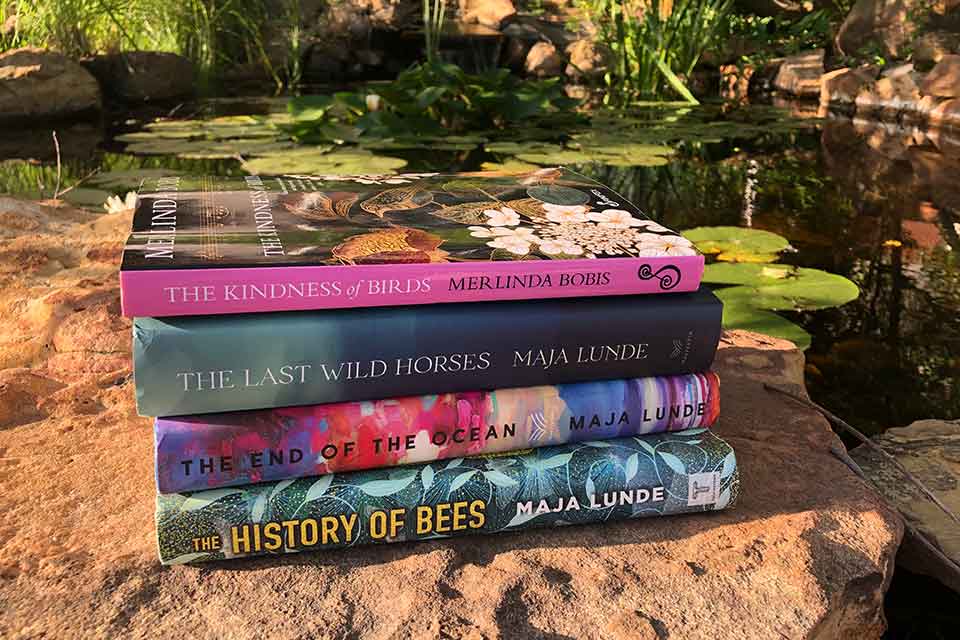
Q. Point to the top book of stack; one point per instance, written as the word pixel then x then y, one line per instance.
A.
pixel 258 244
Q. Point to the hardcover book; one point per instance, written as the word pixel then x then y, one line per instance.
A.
pixel 229 449
pixel 203 246
pixel 578 483
pixel 206 364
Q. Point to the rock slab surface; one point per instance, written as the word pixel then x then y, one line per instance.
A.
pixel 930 450
pixel 808 553
pixel 39 84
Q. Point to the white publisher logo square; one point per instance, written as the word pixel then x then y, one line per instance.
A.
pixel 703 488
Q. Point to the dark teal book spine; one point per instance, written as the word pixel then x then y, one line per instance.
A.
pixel 206 364
pixel 581 483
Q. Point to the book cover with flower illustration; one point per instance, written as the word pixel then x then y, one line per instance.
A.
pixel 690 471
pixel 235 245
pixel 230 449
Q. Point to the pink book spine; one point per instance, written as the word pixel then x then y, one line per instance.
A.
pixel 183 292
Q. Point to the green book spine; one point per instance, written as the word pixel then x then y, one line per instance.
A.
pixel 577 483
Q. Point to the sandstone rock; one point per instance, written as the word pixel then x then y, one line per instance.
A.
pixel 883 23
pixel 489 13
pixel 588 60
pixel 841 86
pixel 38 84
pixel 808 553
pixel 946 113
pixel 141 76
pixel 543 61
pixel 893 93
pixel 930 450
pixel 943 80
pixel 930 48
pixel 735 81
pixel 800 74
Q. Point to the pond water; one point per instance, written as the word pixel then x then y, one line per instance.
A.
pixel 877 204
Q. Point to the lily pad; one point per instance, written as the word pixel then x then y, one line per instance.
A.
pixel 86 197
pixel 310 160
pixel 744 316
pixel 737 244
pixel 778 289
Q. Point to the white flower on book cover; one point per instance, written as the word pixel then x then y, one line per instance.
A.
pixel 565 213
pixel 657 245
pixel 502 217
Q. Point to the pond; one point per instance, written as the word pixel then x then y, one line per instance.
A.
pixel 870 202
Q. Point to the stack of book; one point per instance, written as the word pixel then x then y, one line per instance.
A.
pixel 341 360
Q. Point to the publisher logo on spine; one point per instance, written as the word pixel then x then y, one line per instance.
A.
pixel 681 348
pixel 703 489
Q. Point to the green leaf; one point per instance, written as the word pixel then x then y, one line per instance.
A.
pixel 550 463
pixel 188 557
pixel 674 81
pixel 737 244
pixel 430 95
pixel 499 478
pixel 645 445
pixel 557 194
pixel 729 464
pixel 204 498
pixel 673 462
pixel 461 479
pixel 630 470
pixel 319 487
pixel 783 288
pixel 426 477
pixel 456 462
pixel 381 488
pixel 589 488
pixel 521 518
pixel 740 314
pixel 256 514
pixel 723 500
pixel 309 108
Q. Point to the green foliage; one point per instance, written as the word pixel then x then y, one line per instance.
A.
pixel 773 36
pixel 433 14
pixel 211 33
pixel 655 44
pixel 431 99
pixel 736 244
pixel 754 287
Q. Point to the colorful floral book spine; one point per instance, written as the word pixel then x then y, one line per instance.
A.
pixel 210 364
pixel 576 483
pixel 203 246
pixel 229 449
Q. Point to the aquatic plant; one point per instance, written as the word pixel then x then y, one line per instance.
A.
pixel 655 44
pixel 754 287
pixel 211 33
pixel 433 15
pixel 430 99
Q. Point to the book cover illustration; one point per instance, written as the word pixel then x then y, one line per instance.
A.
pixel 229 449
pixel 232 245
pixel 210 364
pixel 595 481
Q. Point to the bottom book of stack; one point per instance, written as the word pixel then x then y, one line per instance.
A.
pixel 576 483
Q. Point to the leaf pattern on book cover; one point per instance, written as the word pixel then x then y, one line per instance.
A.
pixel 535 491
pixel 469 213
pixel 529 207
pixel 397 245
pixel 397 199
